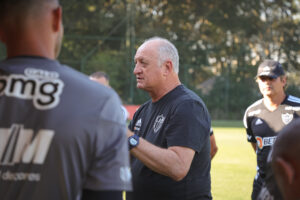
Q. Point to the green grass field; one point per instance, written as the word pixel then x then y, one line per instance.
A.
pixel 233 167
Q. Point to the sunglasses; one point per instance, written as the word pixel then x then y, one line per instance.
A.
pixel 266 78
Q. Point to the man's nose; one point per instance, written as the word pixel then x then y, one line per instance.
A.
pixel 137 69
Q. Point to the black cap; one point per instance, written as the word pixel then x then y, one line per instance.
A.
pixel 270 68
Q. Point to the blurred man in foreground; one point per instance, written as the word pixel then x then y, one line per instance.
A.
pixel 286 161
pixel 60 136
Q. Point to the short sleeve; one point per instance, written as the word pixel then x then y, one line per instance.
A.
pixel 188 126
pixel 247 125
pixel 211 131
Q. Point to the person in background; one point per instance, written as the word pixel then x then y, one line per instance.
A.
pixel 264 118
pixel 286 161
pixel 213 144
pixel 169 134
pixel 60 136
pixel 103 78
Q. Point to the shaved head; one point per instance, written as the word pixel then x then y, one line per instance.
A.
pixel 286 160
pixel 287 144
pixel 20 9
pixel 31 27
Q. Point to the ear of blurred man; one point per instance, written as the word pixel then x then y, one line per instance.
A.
pixel 57 19
pixel 57 27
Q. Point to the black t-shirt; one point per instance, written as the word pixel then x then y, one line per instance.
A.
pixel 180 118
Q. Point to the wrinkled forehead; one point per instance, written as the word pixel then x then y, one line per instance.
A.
pixel 146 51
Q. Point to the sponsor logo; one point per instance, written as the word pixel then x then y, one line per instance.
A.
pixel 138 125
pixel 258 122
pixel 19 176
pixel 40 73
pixel 255 112
pixel 249 137
pixel 265 141
pixel 287 118
pixel 292 108
pixel 158 123
pixel 19 145
pixel 125 174
pixel 42 87
pixel 266 71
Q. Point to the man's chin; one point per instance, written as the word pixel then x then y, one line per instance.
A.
pixel 140 86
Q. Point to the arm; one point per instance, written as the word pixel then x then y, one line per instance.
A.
pixel 173 162
pixel 254 146
pixel 213 146
pixel 250 136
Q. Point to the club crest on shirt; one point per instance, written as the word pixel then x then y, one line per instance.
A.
pixel 158 123
pixel 138 125
pixel 287 118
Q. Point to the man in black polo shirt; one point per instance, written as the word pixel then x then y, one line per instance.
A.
pixel 264 118
pixel 170 146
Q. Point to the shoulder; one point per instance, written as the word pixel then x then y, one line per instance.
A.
pixel 93 97
pixel 185 95
pixel 252 110
pixel 141 109
pixel 82 84
pixel 292 100
pixel 144 105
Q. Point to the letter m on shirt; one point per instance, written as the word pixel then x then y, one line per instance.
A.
pixel 17 145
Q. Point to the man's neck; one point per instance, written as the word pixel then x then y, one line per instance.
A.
pixel 32 50
pixel 158 94
pixel 272 103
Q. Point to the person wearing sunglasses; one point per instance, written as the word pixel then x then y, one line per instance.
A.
pixel 267 116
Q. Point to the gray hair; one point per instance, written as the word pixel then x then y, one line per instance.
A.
pixel 166 50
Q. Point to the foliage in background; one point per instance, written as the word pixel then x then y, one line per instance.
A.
pixel 219 42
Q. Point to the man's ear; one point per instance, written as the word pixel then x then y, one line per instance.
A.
pixel 57 19
pixel 168 67
pixel 286 170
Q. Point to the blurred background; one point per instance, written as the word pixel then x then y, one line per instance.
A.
pixel 220 44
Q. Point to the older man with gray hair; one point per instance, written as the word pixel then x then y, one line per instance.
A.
pixel 169 138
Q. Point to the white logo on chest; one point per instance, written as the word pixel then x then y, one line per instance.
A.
pixel 138 125
pixel 258 122
pixel 287 118
pixel 158 123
